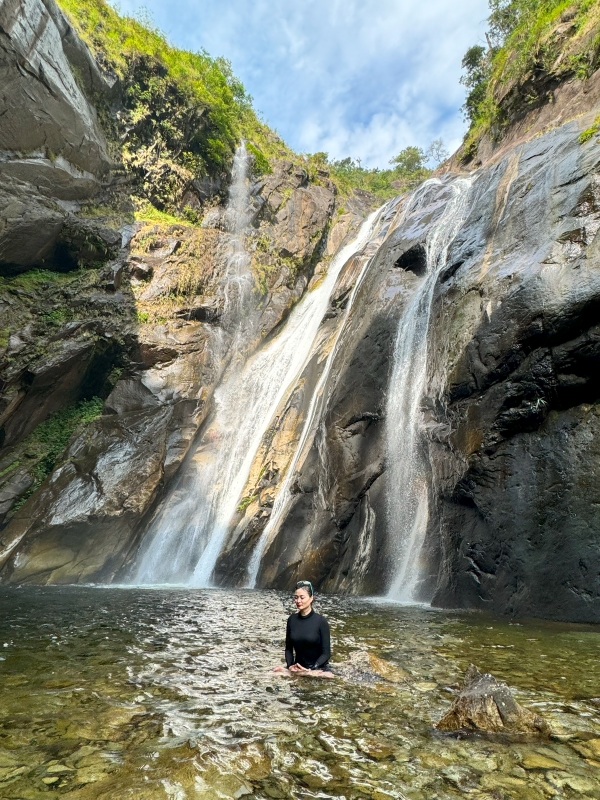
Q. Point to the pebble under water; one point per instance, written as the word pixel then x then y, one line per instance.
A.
pixel 168 694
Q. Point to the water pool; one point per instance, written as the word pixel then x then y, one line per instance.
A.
pixel 166 694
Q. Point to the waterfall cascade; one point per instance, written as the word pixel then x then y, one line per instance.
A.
pixel 407 471
pixel 236 286
pixel 188 533
pixel 387 217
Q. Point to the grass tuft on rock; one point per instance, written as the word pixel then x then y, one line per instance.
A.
pixel 47 442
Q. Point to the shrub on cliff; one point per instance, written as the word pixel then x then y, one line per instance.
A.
pixel 532 47
pixel 408 169
pixel 182 111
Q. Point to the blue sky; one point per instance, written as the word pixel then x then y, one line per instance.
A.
pixel 360 78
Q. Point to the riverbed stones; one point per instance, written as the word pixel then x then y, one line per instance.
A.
pixel 486 704
pixel 540 761
pixel 589 749
pixel 377 749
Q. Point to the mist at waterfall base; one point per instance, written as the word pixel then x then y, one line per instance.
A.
pixel 190 528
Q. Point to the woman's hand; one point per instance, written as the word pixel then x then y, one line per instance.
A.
pixel 298 668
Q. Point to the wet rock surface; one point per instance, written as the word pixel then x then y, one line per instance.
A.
pixel 363 667
pixel 52 146
pixel 486 704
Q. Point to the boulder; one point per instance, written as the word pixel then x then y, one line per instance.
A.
pixel 486 704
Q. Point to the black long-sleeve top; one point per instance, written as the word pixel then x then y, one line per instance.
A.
pixel 309 637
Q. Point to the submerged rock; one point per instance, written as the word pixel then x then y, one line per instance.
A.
pixel 363 667
pixel 486 704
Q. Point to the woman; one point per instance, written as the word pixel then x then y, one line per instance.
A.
pixel 307 640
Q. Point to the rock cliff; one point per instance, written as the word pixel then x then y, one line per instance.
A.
pixel 114 339
pixel 110 314
pixel 510 414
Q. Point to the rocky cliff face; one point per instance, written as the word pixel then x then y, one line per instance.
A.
pixel 510 417
pixel 52 149
pixel 115 338
pixel 112 338
pixel 144 332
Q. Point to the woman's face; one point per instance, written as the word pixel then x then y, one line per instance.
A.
pixel 302 599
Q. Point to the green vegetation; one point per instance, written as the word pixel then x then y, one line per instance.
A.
pixel 57 316
pixel 48 441
pixel 166 89
pixel 146 212
pixel 260 164
pixel 10 468
pixel 245 502
pixel 532 45
pixel 36 279
pixel 593 130
pixel 408 169
pixel 187 108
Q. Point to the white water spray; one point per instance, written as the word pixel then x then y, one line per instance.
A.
pixel 407 471
pixel 186 538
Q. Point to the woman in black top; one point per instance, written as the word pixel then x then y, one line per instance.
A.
pixel 307 640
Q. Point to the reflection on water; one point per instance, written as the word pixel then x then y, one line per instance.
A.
pixel 108 693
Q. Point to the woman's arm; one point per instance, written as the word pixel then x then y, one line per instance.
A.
pixel 289 647
pixel 325 644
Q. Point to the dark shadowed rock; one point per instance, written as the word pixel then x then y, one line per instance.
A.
pixel 29 226
pixel 486 704
pixel 51 384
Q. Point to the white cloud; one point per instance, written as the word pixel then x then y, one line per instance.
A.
pixel 352 77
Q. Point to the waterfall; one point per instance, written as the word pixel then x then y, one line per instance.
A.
pixel 407 469
pixel 187 535
pixel 282 500
pixel 237 283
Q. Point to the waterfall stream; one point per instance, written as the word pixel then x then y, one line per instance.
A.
pixel 386 217
pixel 187 535
pixel 188 532
pixel 237 283
pixel 407 469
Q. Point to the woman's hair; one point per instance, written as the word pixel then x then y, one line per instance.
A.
pixel 305 585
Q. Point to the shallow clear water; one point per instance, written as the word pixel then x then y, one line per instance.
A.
pixel 141 693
